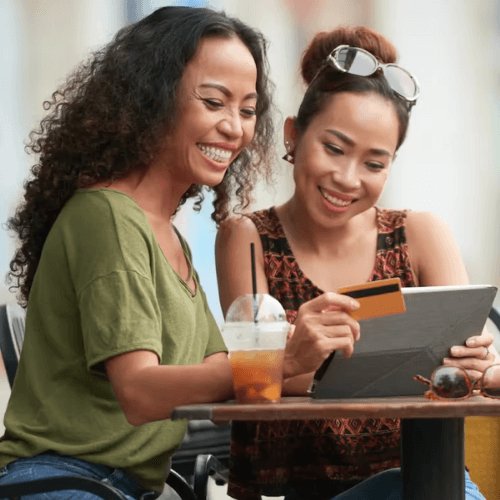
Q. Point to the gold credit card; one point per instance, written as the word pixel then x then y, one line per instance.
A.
pixel 377 298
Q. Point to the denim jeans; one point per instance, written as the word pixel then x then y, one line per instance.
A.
pixel 384 486
pixel 52 465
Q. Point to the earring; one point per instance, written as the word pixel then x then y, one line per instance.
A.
pixel 289 155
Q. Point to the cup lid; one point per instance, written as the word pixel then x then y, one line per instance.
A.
pixel 255 308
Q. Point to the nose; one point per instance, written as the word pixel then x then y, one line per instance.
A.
pixel 231 125
pixel 347 176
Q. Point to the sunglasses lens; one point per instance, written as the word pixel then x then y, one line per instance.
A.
pixel 400 81
pixel 491 381
pixel 356 62
pixel 450 382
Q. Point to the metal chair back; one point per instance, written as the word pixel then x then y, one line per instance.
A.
pixel 12 325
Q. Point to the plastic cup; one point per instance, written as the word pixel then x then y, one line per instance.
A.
pixel 255 333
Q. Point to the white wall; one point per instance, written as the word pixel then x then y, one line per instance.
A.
pixel 41 42
pixel 12 121
pixel 449 164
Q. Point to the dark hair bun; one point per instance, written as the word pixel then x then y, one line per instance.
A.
pixel 356 36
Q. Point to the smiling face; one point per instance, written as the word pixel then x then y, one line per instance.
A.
pixel 342 159
pixel 216 113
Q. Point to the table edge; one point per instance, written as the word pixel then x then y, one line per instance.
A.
pixel 307 408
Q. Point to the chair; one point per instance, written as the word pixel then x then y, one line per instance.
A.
pixel 202 437
pixel 12 325
pixel 495 317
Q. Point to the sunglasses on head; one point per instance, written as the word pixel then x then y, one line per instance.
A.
pixel 452 382
pixel 360 62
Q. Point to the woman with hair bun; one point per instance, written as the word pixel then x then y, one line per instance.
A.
pixel 352 120
pixel 118 329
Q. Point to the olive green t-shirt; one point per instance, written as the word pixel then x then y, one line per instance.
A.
pixel 103 287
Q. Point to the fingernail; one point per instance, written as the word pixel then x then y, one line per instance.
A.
pixel 471 342
pixel 355 304
pixel 455 351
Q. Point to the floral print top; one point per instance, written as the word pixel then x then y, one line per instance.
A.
pixel 268 457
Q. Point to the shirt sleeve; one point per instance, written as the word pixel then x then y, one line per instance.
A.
pixel 119 313
pixel 108 249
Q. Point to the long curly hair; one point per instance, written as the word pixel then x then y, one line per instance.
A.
pixel 106 121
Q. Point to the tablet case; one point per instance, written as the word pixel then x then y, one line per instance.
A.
pixel 392 349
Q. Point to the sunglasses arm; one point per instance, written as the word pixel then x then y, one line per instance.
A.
pixel 424 380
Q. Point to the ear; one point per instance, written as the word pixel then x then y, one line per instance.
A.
pixel 290 132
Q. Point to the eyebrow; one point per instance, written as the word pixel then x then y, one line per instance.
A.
pixel 225 90
pixel 350 142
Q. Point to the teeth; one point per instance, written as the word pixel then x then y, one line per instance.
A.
pixel 216 154
pixel 335 201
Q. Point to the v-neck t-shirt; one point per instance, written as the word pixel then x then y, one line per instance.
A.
pixel 103 287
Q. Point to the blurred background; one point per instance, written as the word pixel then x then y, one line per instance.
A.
pixel 449 163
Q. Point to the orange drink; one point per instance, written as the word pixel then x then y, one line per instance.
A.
pixel 257 375
pixel 255 334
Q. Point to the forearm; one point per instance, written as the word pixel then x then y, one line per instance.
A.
pixel 156 390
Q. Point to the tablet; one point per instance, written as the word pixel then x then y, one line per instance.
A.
pixel 392 349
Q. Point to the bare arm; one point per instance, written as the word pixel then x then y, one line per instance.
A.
pixel 147 391
pixel 233 262
pixel 317 333
pixel 437 261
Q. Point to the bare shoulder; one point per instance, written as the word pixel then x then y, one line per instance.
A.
pixel 237 227
pixel 233 259
pixel 419 217
pixel 417 221
pixel 426 224
pixel 234 237
pixel 433 250
pixel 237 224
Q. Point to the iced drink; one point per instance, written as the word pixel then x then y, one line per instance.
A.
pixel 257 375
pixel 255 333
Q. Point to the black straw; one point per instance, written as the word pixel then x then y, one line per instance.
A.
pixel 254 282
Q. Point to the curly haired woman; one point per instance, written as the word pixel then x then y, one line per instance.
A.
pixel 118 328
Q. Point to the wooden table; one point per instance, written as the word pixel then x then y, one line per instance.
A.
pixel 432 432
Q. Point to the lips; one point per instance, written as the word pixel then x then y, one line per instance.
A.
pixel 336 199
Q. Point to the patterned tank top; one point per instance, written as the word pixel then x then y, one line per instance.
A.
pixel 270 457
